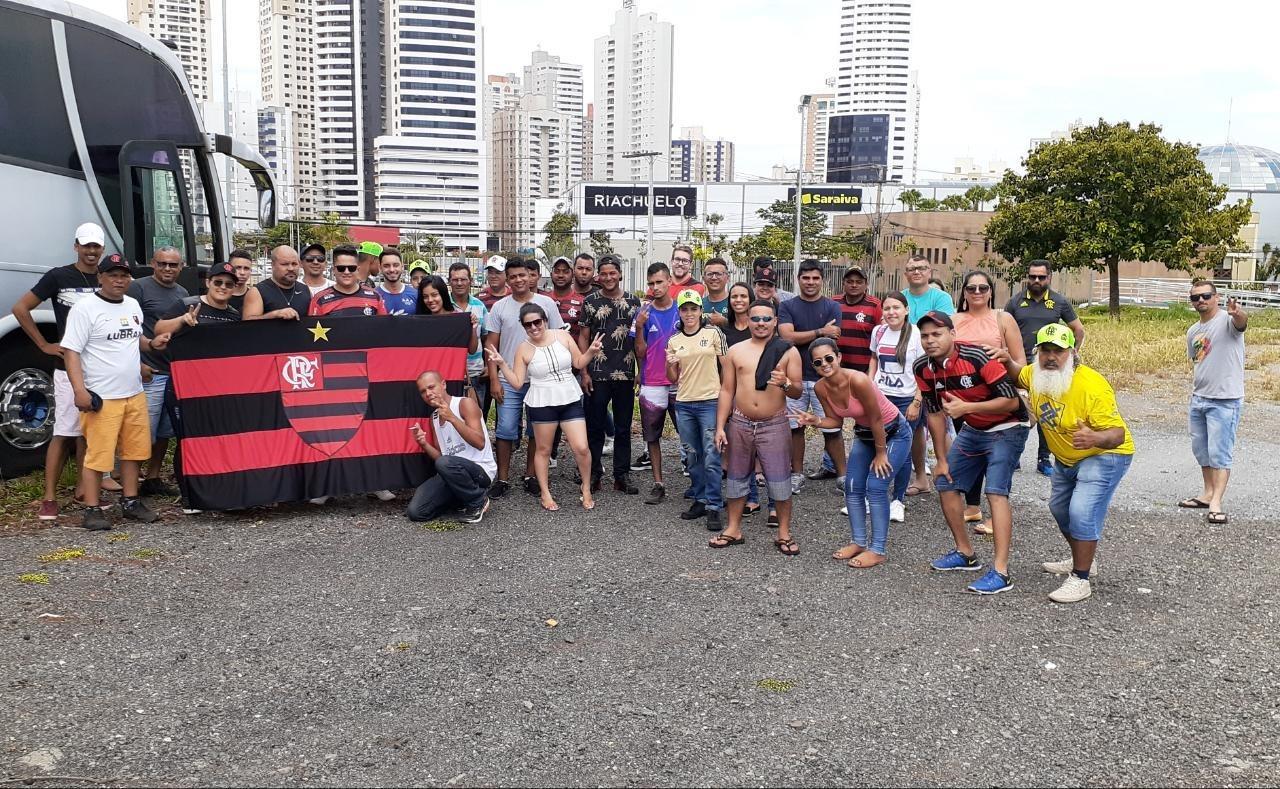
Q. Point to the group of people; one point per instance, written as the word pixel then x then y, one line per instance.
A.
pixel 742 371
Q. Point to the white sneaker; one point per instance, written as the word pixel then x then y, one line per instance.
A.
pixel 321 500
pixel 897 512
pixel 844 510
pixel 608 448
pixel 1073 590
pixel 797 482
pixel 1066 566
pixel 554 463
pixel 191 511
pixel 384 495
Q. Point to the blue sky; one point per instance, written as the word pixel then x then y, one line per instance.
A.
pixel 993 73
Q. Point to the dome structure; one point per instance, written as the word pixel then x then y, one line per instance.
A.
pixel 1242 166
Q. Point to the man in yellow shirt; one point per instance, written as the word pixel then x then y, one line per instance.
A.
pixel 1076 409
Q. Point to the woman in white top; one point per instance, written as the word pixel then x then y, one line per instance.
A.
pixel 550 360
pixel 895 347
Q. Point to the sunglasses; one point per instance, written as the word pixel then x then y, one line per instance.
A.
pixel 1201 297
pixel 314 258
pixel 533 324
pixel 977 288
pixel 166 264
pixel 1038 277
pixel 824 360
pixel 761 319
pixel 346 269
pixel 221 283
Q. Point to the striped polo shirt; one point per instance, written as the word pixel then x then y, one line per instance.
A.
pixel 856 323
pixel 972 376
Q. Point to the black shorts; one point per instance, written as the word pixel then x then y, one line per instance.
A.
pixel 555 414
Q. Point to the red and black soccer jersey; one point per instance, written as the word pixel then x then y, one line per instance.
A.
pixel 570 309
pixel 856 323
pixel 331 301
pixel 970 375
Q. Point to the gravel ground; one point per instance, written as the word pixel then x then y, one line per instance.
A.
pixel 345 645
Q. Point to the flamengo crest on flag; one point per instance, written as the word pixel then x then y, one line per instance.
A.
pixel 325 396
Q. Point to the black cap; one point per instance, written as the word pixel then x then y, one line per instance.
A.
pixel 766 274
pixel 312 246
pixel 854 269
pixel 113 261
pixel 936 316
pixel 220 269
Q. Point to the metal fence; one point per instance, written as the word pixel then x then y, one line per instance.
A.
pixel 1161 292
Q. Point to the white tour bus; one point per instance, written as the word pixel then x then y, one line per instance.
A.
pixel 97 124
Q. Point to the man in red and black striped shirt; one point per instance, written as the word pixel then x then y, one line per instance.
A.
pixel 347 296
pixel 960 381
pixel 859 314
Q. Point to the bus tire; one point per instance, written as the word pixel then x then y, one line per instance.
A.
pixel 26 408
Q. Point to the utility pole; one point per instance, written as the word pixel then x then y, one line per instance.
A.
pixel 226 117
pixel 881 174
pixel 804 105
pixel 648 239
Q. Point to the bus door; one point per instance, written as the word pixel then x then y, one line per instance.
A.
pixel 155 206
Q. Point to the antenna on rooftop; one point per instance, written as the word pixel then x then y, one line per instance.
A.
pixel 1230 105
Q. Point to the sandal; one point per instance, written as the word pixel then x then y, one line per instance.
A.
pixel 1194 504
pixel 773 521
pixel 554 508
pixel 723 540
pixel 1217 517
pixel 787 547
pixel 983 528
pixel 845 554
pixel 856 561
pixel 531 486
pixel 973 518
pixel 751 510
pixel 584 504
pixel 916 490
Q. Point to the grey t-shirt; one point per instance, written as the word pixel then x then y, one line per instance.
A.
pixel 1216 349
pixel 157 301
pixel 504 318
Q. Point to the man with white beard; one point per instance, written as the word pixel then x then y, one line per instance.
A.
pixel 1077 411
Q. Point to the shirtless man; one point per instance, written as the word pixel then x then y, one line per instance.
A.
pixel 751 424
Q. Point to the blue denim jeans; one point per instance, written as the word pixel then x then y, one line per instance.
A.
pixel 696 422
pixel 902 480
pixel 1080 494
pixel 161 426
pixel 1213 430
pixel 975 452
pixel 862 486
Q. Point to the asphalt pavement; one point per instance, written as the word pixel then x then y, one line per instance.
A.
pixel 345 645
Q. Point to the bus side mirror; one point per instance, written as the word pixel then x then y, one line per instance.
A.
pixel 267 208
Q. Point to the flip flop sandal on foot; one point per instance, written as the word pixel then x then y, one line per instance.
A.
pixel 1193 504
pixel 983 528
pixel 752 510
pixel 1217 517
pixel 725 541
pixel 773 522
pixel 787 547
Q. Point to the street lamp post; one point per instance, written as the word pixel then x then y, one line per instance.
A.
pixel 650 155
pixel 804 105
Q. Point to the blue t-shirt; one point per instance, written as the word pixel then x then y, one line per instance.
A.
pixel 931 299
pixel 475 361
pixel 657 330
pixel 808 316
pixel 403 303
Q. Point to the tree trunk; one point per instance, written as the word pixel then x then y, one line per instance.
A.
pixel 1113 275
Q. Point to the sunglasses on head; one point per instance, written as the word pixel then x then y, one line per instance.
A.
pixel 346 269
pixel 1201 296
pixel 821 360
pixel 314 258
pixel 533 323
pixel 977 288
pixel 761 318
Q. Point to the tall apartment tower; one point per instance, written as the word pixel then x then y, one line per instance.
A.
pixel 339 41
pixel 288 80
pixel 561 84
pixel 633 95
pixel 276 145
pixel 588 140
pixel 874 126
pixel 818 108
pixel 186 25
pixel 695 159
pixel 430 160
pixel 531 161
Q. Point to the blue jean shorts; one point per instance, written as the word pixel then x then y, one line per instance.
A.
pixel 975 451
pixel 1080 494
pixel 510 411
pixel 1213 430
pixel 808 401
pixel 160 425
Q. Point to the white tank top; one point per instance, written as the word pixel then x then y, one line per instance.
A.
pixel 452 443
pixel 552 380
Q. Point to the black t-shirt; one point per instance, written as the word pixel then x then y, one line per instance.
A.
pixel 732 336
pixel 157 302
pixel 63 287
pixel 615 319
pixel 206 313
pixel 276 298
pixel 237 302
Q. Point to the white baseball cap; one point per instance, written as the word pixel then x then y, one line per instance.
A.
pixel 497 262
pixel 89 233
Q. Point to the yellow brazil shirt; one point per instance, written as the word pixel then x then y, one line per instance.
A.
pixel 699 363
pixel 1090 399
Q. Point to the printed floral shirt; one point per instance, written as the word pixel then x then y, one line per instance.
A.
pixel 615 319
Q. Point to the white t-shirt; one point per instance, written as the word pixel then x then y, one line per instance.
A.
pixel 895 380
pixel 328 283
pixel 106 335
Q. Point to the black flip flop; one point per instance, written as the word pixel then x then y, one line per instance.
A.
pixel 773 522
pixel 1217 518
pixel 723 540
pixel 1193 504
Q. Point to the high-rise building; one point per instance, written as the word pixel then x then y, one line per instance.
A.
pixel 186 27
pixel 288 81
pixel 588 141
pixel 817 112
pixel 531 162
pixel 276 145
pixel 338 42
pixel 430 161
pixel 695 159
pixel 561 84
pixel 242 202
pixel 633 96
pixel 873 130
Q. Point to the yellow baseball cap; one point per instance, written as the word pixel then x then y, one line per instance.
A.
pixel 688 296
pixel 1056 334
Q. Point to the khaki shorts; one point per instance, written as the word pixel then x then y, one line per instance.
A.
pixel 122 425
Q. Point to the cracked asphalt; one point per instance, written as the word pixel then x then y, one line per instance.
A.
pixel 346 646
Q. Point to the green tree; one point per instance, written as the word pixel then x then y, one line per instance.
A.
pixel 910 198
pixel 560 235
pixel 1113 192
pixel 601 244
pixel 330 232
pixel 956 203
pixel 976 196
pixel 777 239
pixel 928 204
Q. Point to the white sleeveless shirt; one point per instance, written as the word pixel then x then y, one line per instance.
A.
pixel 552 379
pixel 451 443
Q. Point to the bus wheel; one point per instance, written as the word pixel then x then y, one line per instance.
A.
pixel 26 409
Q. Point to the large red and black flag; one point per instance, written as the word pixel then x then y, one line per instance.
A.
pixel 274 410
